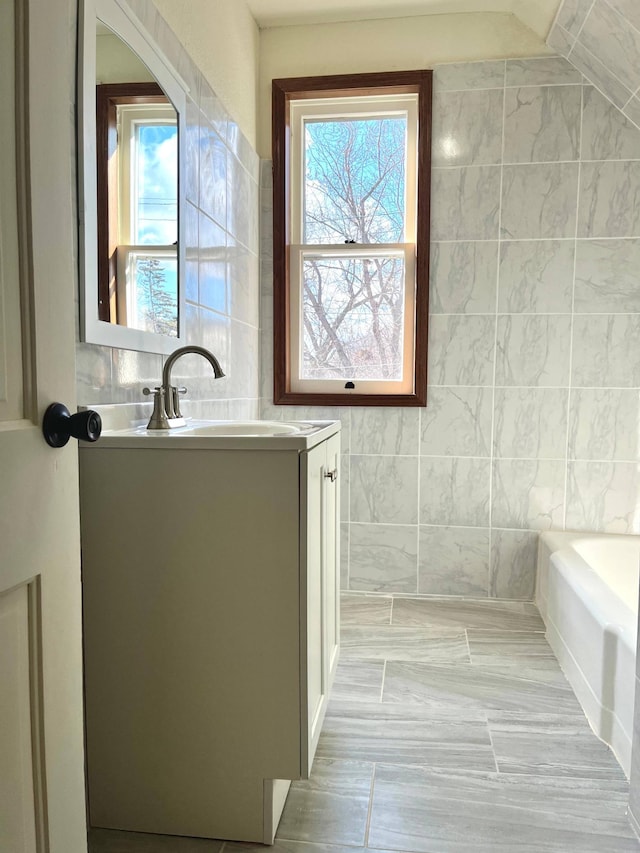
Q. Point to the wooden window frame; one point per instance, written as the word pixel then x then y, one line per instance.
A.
pixel 298 88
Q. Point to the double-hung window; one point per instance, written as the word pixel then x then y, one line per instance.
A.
pixel 351 238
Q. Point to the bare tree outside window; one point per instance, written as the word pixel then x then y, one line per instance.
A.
pixel 354 193
pixel 355 180
pixel 353 314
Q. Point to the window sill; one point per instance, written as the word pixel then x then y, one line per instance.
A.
pixel 290 398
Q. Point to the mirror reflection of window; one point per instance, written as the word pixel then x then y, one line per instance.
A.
pixel 138 200
pixel 147 287
pixel 148 175
pixel 137 145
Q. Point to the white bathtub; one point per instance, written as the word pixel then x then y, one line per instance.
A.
pixel 587 593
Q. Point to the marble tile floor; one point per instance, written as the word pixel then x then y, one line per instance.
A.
pixel 451 729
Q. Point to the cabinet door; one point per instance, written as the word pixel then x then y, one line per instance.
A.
pixel 331 568
pixel 312 603
pixel 320 562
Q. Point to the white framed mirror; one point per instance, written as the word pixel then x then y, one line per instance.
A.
pixel 131 132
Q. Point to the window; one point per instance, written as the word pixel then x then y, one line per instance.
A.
pixel 351 238
pixel 137 138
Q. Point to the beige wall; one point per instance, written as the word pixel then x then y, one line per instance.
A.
pixel 384 45
pixel 222 38
pixel 117 63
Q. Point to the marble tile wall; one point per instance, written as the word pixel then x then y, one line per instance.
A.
pixel 533 415
pixel 222 264
pixel 601 38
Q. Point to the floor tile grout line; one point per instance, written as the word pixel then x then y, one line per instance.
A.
pixel 370 809
pixel 484 602
pixel 493 749
pixel 451 628
pixel 519 807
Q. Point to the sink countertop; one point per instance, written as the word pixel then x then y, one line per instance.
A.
pixel 188 438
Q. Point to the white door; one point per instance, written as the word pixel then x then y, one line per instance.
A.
pixel 42 804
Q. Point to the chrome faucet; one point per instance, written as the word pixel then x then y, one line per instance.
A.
pixel 166 403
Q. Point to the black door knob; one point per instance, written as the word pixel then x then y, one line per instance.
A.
pixel 58 425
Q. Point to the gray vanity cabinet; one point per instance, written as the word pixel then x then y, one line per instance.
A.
pixel 210 584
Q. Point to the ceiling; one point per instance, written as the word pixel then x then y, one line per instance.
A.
pixel 538 15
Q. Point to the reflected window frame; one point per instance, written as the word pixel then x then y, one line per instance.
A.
pixel 112 296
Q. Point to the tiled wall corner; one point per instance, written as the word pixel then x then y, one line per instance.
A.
pixel 222 278
pixel 601 38
pixel 534 395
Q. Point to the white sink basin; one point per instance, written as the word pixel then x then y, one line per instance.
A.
pixel 242 428
pixel 200 434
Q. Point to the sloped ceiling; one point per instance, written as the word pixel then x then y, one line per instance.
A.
pixel 602 39
pixel 538 15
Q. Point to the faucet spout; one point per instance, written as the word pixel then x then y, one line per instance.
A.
pixel 170 393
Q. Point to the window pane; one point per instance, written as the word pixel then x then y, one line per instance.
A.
pixel 153 306
pixel 156 208
pixel 354 183
pixel 353 317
